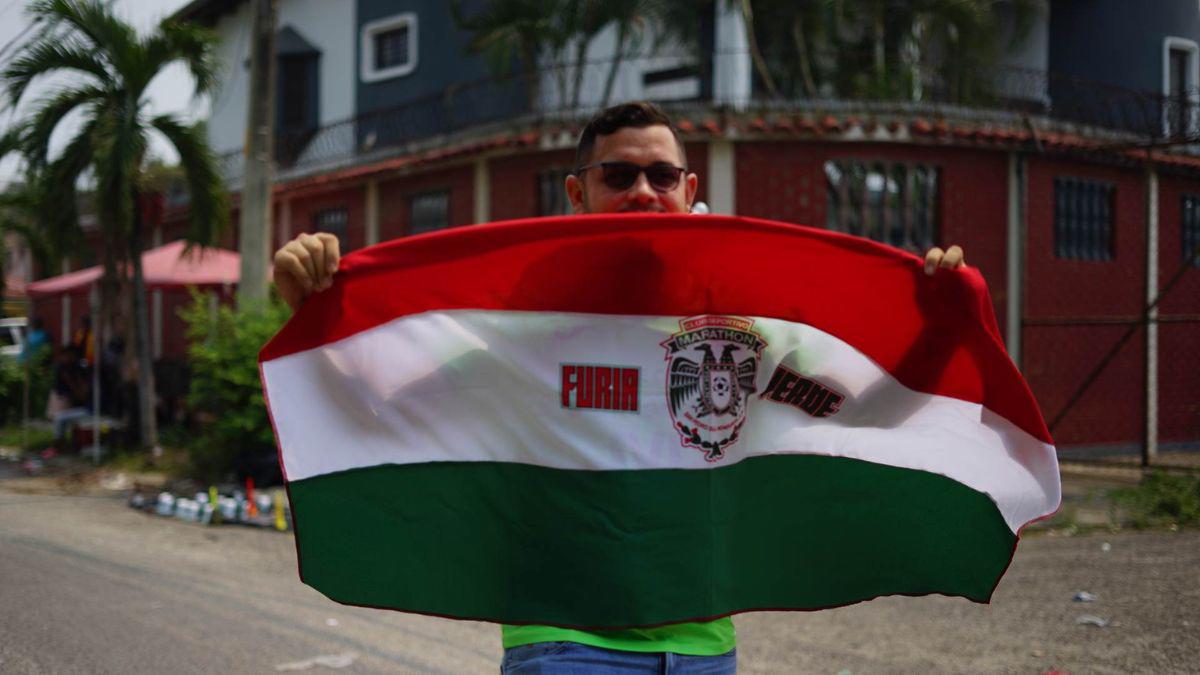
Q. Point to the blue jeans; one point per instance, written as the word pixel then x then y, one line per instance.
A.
pixel 572 658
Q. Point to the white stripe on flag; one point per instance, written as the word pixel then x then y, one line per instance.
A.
pixel 479 385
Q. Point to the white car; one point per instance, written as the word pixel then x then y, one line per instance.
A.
pixel 12 336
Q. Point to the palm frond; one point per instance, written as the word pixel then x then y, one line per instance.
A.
pixel 94 20
pixel 13 140
pixel 194 45
pixel 60 224
pixel 120 145
pixel 208 212
pixel 40 58
pixel 50 112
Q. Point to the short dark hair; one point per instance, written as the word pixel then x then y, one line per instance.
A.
pixel 638 114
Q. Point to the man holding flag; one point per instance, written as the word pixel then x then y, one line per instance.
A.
pixel 629 159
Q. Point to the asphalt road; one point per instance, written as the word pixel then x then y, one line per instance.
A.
pixel 88 585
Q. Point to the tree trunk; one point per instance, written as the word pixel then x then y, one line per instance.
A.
pixel 580 58
pixel 810 85
pixel 253 237
pixel 618 56
pixel 529 71
pixel 760 64
pixel 879 59
pixel 141 335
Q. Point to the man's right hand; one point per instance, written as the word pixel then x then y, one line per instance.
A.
pixel 305 265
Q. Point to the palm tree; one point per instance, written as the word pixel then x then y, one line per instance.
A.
pixel 880 48
pixel 112 66
pixel 513 30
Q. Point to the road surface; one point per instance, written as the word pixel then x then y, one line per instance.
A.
pixel 88 585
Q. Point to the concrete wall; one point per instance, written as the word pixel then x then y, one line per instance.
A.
pixel 328 25
pixel 442 57
pixel 1117 41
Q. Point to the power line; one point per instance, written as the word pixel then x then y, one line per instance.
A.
pixel 20 36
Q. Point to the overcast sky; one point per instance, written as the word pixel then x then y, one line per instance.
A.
pixel 170 92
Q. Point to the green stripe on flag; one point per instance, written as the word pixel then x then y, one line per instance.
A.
pixel 517 543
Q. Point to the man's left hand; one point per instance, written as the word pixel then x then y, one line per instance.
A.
pixel 950 259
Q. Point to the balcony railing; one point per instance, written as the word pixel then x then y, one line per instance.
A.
pixel 1123 115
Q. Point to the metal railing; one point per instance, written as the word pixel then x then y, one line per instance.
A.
pixel 1122 116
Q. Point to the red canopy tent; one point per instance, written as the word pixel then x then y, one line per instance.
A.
pixel 61 300
pixel 167 266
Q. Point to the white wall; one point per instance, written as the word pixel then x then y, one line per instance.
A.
pixel 1031 55
pixel 329 25
pixel 732 72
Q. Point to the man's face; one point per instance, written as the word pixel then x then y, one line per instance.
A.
pixel 642 146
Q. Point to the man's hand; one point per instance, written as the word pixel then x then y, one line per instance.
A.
pixel 305 265
pixel 950 259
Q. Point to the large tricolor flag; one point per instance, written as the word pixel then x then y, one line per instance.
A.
pixel 631 420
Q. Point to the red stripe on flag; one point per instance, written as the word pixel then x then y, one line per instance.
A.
pixel 934 334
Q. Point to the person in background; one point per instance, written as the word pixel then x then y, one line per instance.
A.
pixel 72 392
pixel 84 340
pixel 35 341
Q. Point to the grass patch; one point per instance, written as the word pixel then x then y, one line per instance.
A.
pixel 1161 500
pixel 39 437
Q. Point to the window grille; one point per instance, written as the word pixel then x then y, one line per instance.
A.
pixel 552 193
pixel 1083 219
pixel 430 211
pixel 333 221
pixel 391 47
pixel 1189 224
pixel 388 47
pixel 895 203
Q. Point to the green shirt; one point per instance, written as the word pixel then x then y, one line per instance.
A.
pixel 693 639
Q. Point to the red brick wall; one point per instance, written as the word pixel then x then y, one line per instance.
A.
pixel 785 181
pixel 395 195
pixel 306 206
pixel 1179 316
pixel 1058 350
pixel 514 181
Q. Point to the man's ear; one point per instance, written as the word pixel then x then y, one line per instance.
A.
pixel 692 183
pixel 574 187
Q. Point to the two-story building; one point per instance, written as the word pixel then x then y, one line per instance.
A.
pixel 1066 168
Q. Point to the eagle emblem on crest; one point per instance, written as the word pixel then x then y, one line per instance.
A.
pixel 707 394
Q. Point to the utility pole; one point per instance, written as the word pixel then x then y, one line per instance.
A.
pixel 255 213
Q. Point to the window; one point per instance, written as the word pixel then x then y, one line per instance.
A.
pixel 1181 59
pixel 430 211
pixel 552 195
pixel 333 221
pixel 297 94
pixel 1083 219
pixel 1189 223
pixel 389 47
pixel 891 202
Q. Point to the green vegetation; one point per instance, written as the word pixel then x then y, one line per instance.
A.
pixel 110 67
pixel 12 387
pixel 226 394
pixel 33 439
pixel 1161 500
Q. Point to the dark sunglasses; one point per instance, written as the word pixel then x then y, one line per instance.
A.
pixel 662 177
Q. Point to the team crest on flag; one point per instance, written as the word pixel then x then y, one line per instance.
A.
pixel 711 370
